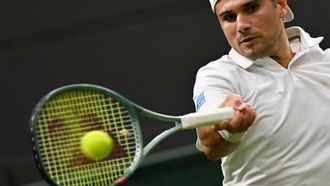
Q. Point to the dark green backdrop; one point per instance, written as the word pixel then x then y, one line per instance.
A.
pixel 147 50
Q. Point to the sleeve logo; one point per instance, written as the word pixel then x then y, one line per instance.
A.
pixel 200 101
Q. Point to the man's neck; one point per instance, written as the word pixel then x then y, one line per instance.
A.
pixel 285 58
pixel 284 53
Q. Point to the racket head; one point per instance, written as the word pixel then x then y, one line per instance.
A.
pixel 64 115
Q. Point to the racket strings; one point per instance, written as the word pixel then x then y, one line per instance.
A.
pixel 65 119
pixel 75 129
pixel 66 110
pixel 68 157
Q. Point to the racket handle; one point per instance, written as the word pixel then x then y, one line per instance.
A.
pixel 201 119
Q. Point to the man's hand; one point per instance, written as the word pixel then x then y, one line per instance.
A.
pixel 212 143
pixel 243 117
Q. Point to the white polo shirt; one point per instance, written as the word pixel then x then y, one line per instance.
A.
pixel 289 142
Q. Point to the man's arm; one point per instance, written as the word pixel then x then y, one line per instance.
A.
pixel 212 143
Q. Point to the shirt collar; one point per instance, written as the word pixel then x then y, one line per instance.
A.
pixel 306 42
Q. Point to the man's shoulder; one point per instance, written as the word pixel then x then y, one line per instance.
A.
pixel 222 67
pixel 223 62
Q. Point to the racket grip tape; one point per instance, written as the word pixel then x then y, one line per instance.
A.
pixel 201 119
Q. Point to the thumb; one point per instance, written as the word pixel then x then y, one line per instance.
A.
pixel 232 100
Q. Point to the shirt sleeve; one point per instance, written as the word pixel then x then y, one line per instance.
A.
pixel 211 88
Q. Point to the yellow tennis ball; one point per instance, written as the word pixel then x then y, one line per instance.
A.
pixel 96 145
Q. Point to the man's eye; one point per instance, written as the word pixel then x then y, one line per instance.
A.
pixel 252 8
pixel 229 17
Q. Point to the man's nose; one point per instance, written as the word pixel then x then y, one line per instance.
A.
pixel 243 23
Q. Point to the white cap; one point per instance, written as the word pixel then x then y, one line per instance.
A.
pixel 288 17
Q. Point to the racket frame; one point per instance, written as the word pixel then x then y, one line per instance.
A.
pixel 131 107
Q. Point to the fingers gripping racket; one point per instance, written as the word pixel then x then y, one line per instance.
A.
pixel 64 115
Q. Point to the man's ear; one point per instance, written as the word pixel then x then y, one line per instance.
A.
pixel 282 6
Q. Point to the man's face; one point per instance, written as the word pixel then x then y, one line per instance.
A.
pixel 252 27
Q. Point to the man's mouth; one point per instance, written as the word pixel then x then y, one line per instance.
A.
pixel 247 39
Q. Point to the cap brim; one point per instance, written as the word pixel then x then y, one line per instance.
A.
pixel 289 15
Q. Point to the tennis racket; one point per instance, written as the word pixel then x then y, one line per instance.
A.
pixel 64 115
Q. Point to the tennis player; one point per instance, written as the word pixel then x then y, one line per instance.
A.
pixel 278 81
